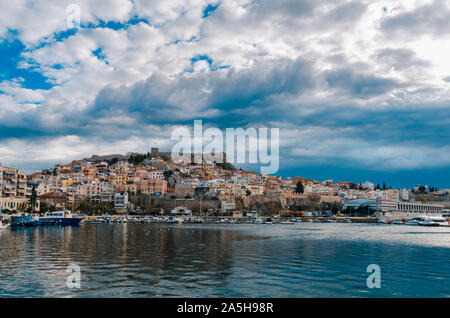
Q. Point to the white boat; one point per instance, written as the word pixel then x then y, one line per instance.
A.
pixel 433 221
pixel 3 226
pixel 121 220
pixel 384 220
pixel 257 221
pixel 286 222
pixel 181 210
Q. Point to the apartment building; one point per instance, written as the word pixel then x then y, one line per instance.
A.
pixel 13 183
pixel 153 186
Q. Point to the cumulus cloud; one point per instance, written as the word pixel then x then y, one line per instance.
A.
pixel 356 83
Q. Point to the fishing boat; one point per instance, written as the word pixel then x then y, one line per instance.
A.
pixel 60 218
pixel 24 220
pixel 268 221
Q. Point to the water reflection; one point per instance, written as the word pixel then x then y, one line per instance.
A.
pixel 144 260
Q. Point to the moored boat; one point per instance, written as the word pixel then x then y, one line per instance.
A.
pixel 63 218
pixel 3 225
pixel 24 220
pixel 433 221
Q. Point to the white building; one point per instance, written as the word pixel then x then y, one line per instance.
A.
pixel 156 174
pixel 121 201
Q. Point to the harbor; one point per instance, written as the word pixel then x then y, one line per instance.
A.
pixel 66 218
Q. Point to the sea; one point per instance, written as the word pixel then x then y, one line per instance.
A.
pixel 225 260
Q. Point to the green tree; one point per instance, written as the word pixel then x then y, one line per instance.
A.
pixel 33 199
pixel 299 187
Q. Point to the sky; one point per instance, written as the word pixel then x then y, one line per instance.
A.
pixel 358 89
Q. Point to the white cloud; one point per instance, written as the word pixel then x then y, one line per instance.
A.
pixel 348 65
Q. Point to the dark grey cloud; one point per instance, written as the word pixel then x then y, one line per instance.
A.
pixel 359 85
pixel 209 95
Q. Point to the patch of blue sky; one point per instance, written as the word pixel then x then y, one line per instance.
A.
pixel 212 66
pixel 99 54
pixel 209 9
pixel 115 25
pixel 11 56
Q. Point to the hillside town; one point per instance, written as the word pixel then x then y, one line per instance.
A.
pixel 152 183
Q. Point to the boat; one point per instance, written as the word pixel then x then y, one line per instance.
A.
pixel 171 220
pixel 60 218
pixel 3 225
pixel 24 220
pixel 384 220
pixel 99 220
pixel 257 221
pixel 412 222
pixel 433 221
pixel 121 220
pixel 268 221
pixel 181 210
pixel 286 222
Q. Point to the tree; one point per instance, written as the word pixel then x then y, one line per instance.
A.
pixel 248 192
pixel 33 198
pixel 384 186
pixel 299 187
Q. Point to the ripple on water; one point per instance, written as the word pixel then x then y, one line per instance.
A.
pixel 302 260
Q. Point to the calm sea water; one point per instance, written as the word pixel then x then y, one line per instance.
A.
pixel 302 260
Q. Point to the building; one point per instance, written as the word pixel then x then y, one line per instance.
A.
pixel 227 207
pixel 121 201
pixel 13 183
pixel 16 204
pixel 156 174
pixel 56 200
pixel 153 186
pixel 411 209
pixel 396 208
pixel 374 205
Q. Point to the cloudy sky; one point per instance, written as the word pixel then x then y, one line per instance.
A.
pixel 359 89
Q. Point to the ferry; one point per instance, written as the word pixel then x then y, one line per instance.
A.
pixel 60 218
pixel 433 221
